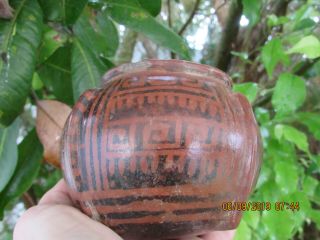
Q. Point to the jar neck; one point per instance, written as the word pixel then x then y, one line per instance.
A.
pixel 169 66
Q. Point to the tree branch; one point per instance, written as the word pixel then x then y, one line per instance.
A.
pixel 125 51
pixel 222 55
pixel 306 66
pixel 169 13
pixel 257 36
pixel 189 20
pixel 28 200
pixel 172 54
pixel 150 48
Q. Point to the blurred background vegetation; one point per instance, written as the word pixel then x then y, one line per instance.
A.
pixel 56 49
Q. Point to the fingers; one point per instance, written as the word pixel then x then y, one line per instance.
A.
pixel 58 195
pixel 52 222
pixel 190 238
pixel 223 235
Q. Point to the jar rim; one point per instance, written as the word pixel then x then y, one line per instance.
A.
pixel 172 65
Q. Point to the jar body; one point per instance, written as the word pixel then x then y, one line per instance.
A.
pixel 156 151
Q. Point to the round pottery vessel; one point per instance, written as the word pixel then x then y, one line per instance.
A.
pixel 157 150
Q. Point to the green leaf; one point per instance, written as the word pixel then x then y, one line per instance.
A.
pixel 52 40
pixel 252 218
pixel 153 7
pixel 264 175
pixel 8 153
pixel 248 89
pixel 278 224
pixel 243 232
pixel 86 69
pixel 244 56
pixel 310 46
pixel 66 11
pixel 304 23
pixel 315 217
pixel 98 33
pixel 106 27
pixel 286 176
pixel 251 9
pixel 304 204
pixel 71 10
pixel 51 9
pixel 262 115
pixel 309 185
pixel 293 135
pixel 128 13
pixel 273 20
pixel 297 137
pixel 19 41
pixel 312 121
pixel 56 74
pixel 36 82
pixel 272 54
pixel 289 93
pixel 30 156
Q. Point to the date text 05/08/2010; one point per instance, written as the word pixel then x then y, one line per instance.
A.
pixel 260 206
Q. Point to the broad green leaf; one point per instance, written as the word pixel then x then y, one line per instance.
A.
pixel 19 41
pixel 293 135
pixel 243 232
pixel 55 73
pixel 262 115
pixel 248 89
pixel 301 12
pixel 273 20
pixel 251 9
pixel 315 217
pixel 264 175
pixel 252 218
pixel 153 7
pixel 278 131
pixel 36 82
pixel 272 54
pixel 244 56
pixel 109 31
pixel 52 40
pixel 286 176
pixel 278 224
pixel 317 191
pixel 310 46
pixel 86 69
pixel 128 13
pixel 304 23
pixel 297 137
pixel 71 10
pixel 270 191
pixel 51 9
pixel 309 185
pixel 301 198
pixel 98 33
pixel 312 121
pixel 8 153
pixel 29 161
pixel 66 11
pixel 289 93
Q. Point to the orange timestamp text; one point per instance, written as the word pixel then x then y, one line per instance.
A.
pixel 260 206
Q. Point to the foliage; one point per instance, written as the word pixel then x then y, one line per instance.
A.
pixel 56 49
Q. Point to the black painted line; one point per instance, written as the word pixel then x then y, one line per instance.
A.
pixel 129 215
pixel 168 199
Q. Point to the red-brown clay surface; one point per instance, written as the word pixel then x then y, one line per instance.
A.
pixel 156 151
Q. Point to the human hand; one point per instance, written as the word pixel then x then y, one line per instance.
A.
pixel 56 218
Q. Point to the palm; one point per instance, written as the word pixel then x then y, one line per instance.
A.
pixel 55 216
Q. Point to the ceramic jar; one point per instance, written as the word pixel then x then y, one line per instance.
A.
pixel 157 150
